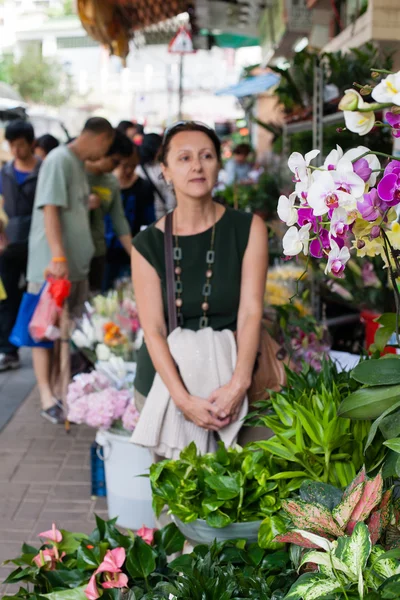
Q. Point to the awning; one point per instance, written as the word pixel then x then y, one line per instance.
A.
pixel 251 86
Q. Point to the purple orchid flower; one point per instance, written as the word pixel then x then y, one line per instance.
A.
pixel 394 122
pixel 370 206
pixel 389 186
pixel 317 246
pixel 362 169
pixel 305 216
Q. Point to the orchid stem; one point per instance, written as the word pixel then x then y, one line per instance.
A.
pixel 298 281
pixel 375 152
pixel 383 71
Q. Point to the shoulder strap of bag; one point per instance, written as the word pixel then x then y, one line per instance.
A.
pixel 153 185
pixel 170 276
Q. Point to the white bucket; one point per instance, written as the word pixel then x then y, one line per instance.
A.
pixel 128 496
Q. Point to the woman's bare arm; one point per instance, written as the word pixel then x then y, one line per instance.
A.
pixel 254 271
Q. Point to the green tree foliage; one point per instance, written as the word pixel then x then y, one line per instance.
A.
pixel 37 79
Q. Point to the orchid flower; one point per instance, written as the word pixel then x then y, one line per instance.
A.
pixel 333 158
pixel 359 122
pixel 286 211
pixel 322 242
pixel 372 160
pixel 53 535
pixel 296 240
pixel 146 534
pixel 339 222
pixel 306 215
pixel 298 164
pixel 347 180
pixel 389 186
pixel 394 122
pixel 388 90
pixel 337 259
pixel 370 206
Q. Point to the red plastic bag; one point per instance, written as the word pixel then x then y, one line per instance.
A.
pixel 44 322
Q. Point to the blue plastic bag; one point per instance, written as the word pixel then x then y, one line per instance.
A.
pixel 20 335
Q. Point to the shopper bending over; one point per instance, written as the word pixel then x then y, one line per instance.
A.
pixel 191 158
pixel 60 242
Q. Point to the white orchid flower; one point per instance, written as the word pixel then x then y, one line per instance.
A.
pixel 296 240
pixel 286 211
pixel 348 181
pixel 333 158
pixel 351 100
pixel 339 222
pixel 388 90
pixel 372 160
pixel 359 122
pixel 298 164
pixel 337 259
pixel 323 194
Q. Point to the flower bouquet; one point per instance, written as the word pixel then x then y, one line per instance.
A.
pixel 92 399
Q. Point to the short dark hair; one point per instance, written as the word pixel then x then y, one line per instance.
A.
pixel 149 148
pixel 125 125
pixel 121 145
pixel 47 143
pixel 242 149
pixel 98 126
pixel 20 129
pixel 188 126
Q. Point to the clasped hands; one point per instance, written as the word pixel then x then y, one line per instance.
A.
pixel 221 408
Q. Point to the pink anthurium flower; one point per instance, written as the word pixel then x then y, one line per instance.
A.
pixel 53 535
pixel 146 534
pixel 113 561
pixel 91 591
pixel 120 580
pixel 48 558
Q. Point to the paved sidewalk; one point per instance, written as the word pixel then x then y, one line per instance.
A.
pixel 44 477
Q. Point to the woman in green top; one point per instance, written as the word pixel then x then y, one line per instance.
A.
pixel 236 271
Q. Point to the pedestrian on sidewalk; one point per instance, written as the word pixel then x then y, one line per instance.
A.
pixel 18 180
pixel 60 242
pixel 150 170
pixel 105 202
pixel 138 202
pixel 45 144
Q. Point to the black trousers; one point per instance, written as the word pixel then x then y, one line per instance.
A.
pixel 13 263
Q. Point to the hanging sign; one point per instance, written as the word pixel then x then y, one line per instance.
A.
pixel 182 42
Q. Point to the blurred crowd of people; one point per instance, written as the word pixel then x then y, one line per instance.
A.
pixel 71 211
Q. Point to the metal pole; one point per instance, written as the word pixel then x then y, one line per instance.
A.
pixel 318 110
pixel 180 115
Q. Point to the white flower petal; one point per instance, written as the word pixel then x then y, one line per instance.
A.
pixel 358 122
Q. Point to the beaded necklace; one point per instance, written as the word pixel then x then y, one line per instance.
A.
pixel 207 287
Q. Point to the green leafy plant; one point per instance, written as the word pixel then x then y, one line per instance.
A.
pixel 231 571
pixel 309 433
pixel 325 511
pixel 350 567
pixel 230 486
pixel 65 564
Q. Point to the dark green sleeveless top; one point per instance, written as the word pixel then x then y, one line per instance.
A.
pixel 231 238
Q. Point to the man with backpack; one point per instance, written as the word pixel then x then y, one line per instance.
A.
pixel 18 180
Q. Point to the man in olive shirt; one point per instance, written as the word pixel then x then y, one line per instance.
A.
pixel 105 201
pixel 60 243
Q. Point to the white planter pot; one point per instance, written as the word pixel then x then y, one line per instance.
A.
pixel 128 495
pixel 198 532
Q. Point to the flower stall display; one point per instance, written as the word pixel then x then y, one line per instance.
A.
pixel 93 400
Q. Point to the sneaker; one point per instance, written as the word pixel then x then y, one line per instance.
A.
pixel 9 361
pixel 54 414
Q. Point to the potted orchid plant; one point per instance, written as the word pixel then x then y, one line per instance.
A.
pixel 348 205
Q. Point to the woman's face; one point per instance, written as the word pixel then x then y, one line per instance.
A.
pixel 192 164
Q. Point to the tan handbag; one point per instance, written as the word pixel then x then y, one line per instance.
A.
pixel 269 371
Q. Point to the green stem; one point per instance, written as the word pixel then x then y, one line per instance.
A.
pixel 337 577
pixel 396 292
pixel 299 279
pixel 374 106
pixel 377 153
pixel 384 71
pixel 327 464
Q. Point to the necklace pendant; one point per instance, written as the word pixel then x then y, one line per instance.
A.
pixel 209 273
pixel 177 254
pixel 210 257
pixel 178 270
pixel 179 302
pixel 205 306
pixel 203 322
